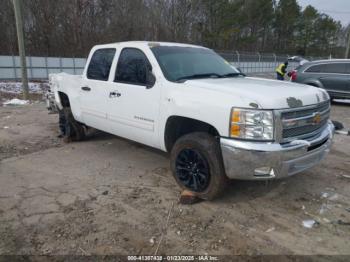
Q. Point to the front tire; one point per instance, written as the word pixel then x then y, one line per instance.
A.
pixel 197 166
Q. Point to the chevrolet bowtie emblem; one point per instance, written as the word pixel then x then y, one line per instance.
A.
pixel 317 119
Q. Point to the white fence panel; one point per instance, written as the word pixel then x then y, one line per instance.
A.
pixel 38 68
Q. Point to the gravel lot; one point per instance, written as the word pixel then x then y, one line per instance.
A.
pixel 108 195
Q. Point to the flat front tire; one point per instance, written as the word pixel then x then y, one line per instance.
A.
pixel 197 166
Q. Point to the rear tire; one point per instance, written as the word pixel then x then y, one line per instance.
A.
pixel 74 131
pixel 197 166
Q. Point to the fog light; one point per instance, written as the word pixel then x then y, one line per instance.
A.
pixel 264 172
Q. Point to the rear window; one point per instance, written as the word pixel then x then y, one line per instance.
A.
pixel 332 68
pixel 317 69
pixel 100 64
pixel 298 67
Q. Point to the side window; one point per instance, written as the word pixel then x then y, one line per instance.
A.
pixel 347 70
pixel 317 69
pixel 337 68
pixel 334 68
pixel 132 67
pixel 100 64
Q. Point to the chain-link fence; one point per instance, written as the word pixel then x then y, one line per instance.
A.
pixel 257 63
pixel 40 67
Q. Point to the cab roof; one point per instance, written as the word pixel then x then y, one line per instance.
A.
pixel 143 44
pixel 329 61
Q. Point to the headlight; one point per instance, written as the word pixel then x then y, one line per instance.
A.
pixel 252 124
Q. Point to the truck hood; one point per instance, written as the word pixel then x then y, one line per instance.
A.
pixel 263 93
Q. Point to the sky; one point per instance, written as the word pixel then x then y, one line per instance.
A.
pixel 338 9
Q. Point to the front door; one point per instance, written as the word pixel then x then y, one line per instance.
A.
pixel 134 105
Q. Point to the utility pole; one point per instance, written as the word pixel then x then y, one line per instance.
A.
pixel 348 44
pixel 17 4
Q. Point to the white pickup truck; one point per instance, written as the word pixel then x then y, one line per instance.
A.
pixel 187 100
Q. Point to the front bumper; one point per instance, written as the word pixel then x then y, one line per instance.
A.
pixel 260 160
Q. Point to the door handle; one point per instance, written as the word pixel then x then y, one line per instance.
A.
pixel 114 94
pixel 86 88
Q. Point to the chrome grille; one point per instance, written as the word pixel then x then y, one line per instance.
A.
pixel 305 122
pixel 294 132
pixel 300 113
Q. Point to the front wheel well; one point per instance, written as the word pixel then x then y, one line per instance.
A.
pixel 177 126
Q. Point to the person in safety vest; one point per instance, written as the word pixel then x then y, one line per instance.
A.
pixel 281 70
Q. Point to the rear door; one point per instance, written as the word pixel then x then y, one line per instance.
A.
pixel 134 106
pixel 347 72
pixel 94 92
pixel 334 77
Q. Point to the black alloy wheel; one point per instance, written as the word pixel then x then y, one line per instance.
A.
pixel 192 170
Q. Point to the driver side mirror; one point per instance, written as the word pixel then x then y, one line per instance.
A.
pixel 150 78
pixel 240 71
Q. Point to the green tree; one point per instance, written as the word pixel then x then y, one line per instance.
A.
pixel 256 19
pixel 307 31
pixel 327 35
pixel 287 15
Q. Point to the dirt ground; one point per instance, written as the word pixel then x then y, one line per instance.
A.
pixel 108 195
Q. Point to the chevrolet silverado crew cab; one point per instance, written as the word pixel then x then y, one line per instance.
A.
pixel 216 123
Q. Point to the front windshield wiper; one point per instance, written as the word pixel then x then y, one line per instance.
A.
pixel 207 75
pixel 232 75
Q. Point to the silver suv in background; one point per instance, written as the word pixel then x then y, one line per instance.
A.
pixel 332 75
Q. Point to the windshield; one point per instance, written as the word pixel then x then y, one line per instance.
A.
pixel 182 63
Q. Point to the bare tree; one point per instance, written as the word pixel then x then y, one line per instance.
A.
pixel 72 27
